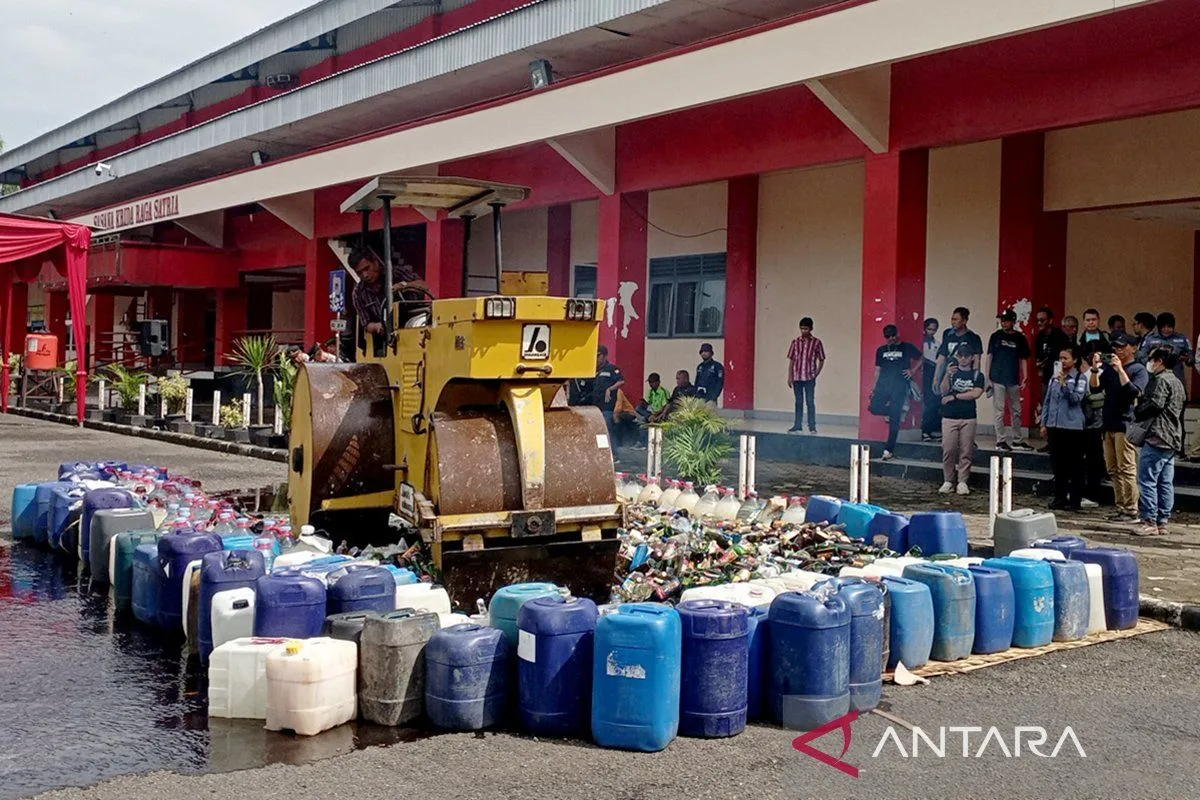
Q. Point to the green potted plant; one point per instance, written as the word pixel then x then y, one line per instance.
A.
pixel 284 389
pixel 255 356
pixel 127 384
pixel 173 390
pixel 696 441
pixel 232 421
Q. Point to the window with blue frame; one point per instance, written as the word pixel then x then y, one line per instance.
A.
pixel 585 281
pixel 687 297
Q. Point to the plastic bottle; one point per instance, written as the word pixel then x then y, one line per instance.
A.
pixel 794 515
pixel 688 499
pixel 750 508
pixel 265 544
pixel 707 504
pixel 728 506
pixel 670 496
pixel 225 525
pixel 651 493
pixel 772 510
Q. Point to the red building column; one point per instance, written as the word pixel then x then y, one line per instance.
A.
pixel 894 218
pixel 558 249
pixel 1033 245
pixel 189 339
pixel 56 321
pixel 444 257
pixel 621 279
pixel 103 311
pixel 741 268
pixel 319 262
pixel 18 316
pixel 231 317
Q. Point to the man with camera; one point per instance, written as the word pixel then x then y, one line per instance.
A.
pixel 1123 380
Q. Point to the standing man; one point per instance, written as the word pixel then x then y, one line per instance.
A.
pixel 961 387
pixel 931 412
pixel 1047 345
pixel 1123 380
pixel 956 335
pixel 608 381
pixel 710 375
pixel 806 359
pixel 896 363
pixel 1006 371
pixel 1143 325
pixel 1116 324
pixel 1092 339
pixel 1167 336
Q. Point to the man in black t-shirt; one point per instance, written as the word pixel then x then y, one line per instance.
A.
pixel 895 364
pixel 609 379
pixel 1006 370
pixel 961 387
pixel 958 333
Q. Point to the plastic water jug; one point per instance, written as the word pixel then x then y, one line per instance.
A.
pixel 995 609
pixel 809 659
pixel 912 624
pixel 714 668
pixel 759 634
pixel 43 497
pixel 311 686
pixel 707 504
pixel 232 615
pixel 24 510
pixel 748 595
pixel 1120 572
pixel 752 509
pixel 295 559
pixel 894 566
pixel 867 631
pixel 507 602
pixel 401 575
pixel 1063 544
pixel 1033 590
pixel 856 518
pixel 106 525
pixel 688 499
pixel 636 673
pixel 651 492
pixel 555 644
pixel 222 571
pixel 1038 554
pixel 446 620
pixel 121 558
pixel 348 627
pixel 423 596
pixel 93 501
pixel 666 502
pixel 289 604
pixel 822 508
pixel 1072 605
pixel 148 581
pixel 392 664
pixel 953 593
pixel 727 509
pixel 968 561
pixel 466 677
pixel 795 513
pixel 938 532
pixel 175 552
pixel 65 508
pixel 362 588
pixel 892 526
pixel 1021 528
pixel 1097 621
pixel 237 677
pixel 800 580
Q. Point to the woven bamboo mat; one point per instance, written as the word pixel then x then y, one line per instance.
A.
pixel 935 668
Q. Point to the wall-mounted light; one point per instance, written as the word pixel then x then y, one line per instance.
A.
pixel 258 157
pixel 541 74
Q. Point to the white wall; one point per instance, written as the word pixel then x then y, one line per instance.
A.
pixel 963 244
pixel 523 242
pixel 810 264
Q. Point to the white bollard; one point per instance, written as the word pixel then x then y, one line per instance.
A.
pixel 141 400
pixel 1006 484
pixel 864 478
pixel 62 390
pixel 855 471
pixel 743 447
pixel 246 410
pixel 752 464
pixel 162 406
pixel 278 422
pixel 100 395
pixel 993 488
pixel 654 452
pixel 187 405
pixel 216 407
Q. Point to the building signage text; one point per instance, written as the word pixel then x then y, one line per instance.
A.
pixel 142 212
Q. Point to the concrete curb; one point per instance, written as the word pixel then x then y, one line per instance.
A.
pixel 1181 615
pixel 215 445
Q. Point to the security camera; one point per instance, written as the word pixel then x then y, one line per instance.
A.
pixel 102 168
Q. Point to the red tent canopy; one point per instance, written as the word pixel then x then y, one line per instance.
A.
pixel 24 243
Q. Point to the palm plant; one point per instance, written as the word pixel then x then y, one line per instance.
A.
pixel 696 441
pixel 285 386
pixel 127 385
pixel 255 355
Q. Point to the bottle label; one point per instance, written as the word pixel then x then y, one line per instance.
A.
pixel 527 646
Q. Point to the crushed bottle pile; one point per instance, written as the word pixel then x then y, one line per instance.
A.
pixel 665 552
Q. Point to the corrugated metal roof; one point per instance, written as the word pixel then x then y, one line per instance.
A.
pixel 512 32
pixel 307 24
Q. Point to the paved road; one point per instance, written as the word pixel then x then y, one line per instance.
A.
pixel 1134 705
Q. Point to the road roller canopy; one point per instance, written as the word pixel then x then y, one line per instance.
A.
pixel 458 197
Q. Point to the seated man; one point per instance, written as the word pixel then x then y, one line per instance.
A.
pixel 656 399
pixel 368 296
pixel 683 388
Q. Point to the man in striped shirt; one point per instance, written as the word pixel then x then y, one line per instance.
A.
pixel 806 359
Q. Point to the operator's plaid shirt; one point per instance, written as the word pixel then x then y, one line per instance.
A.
pixel 804 355
pixel 368 297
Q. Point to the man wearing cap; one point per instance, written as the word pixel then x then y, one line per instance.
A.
pixel 1123 380
pixel 1006 367
pixel 608 381
pixel 710 375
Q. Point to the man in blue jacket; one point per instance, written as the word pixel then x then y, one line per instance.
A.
pixel 710 375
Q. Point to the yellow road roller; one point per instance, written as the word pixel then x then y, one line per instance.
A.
pixel 454 419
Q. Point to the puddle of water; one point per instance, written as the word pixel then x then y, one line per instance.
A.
pixel 86 695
